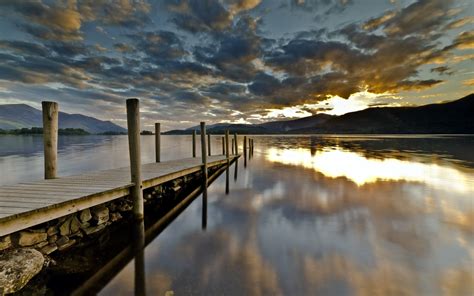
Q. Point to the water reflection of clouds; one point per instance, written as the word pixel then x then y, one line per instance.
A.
pixel 287 230
pixel 361 170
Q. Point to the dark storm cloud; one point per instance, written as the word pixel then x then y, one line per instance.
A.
pixel 442 70
pixel 37 70
pixel 123 47
pixel 302 56
pixel 207 15
pixel 330 5
pixel 217 56
pixel 435 13
pixel 233 52
pixel 264 85
pixel 199 15
pixel 58 22
pixel 22 47
pixel 189 97
pixel 226 88
pixel 45 33
pixel 68 49
pixel 159 45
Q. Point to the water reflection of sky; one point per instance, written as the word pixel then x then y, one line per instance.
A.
pixel 338 162
pixel 307 219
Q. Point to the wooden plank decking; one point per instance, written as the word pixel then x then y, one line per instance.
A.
pixel 27 204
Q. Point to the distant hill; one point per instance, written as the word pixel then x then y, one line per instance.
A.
pixel 17 116
pixel 274 127
pixel 456 117
pixel 296 124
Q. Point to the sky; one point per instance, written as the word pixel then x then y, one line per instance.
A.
pixel 242 61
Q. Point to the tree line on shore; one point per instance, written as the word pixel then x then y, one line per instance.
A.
pixel 62 131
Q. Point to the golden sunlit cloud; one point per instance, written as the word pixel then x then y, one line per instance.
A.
pixel 356 102
pixel 469 82
pixel 335 163
pixel 289 112
pixel 334 105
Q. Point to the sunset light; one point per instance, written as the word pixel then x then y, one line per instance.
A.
pixel 339 162
pixel 237 147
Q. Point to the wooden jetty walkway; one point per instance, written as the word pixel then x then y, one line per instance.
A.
pixel 31 203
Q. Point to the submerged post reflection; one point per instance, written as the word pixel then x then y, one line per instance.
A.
pixel 236 169
pixel 139 251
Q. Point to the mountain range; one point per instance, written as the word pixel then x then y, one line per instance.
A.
pixel 17 116
pixel 455 117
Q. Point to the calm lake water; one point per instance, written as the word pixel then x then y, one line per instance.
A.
pixel 338 215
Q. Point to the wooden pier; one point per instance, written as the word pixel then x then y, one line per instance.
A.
pixel 31 203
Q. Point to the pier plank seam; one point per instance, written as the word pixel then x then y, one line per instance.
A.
pixel 31 203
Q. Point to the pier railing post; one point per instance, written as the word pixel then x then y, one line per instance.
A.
pixel 157 142
pixel 228 161
pixel 223 146
pixel 203 149
pixel 209 144
pixel 204 172
pixel 50 138
pixel 133 124
pixel 233 147
pixel 236 149
pixel 194 143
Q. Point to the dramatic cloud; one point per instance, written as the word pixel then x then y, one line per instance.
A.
pixel 231 60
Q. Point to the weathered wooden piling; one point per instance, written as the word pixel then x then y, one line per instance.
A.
pixel 50 138
pixel 233 146
pixel 228 161
pixel 133 124
pixel 203 150
pixel 157 142
pixel 245 151
pixel 204 172
pixel 209 144
pixel 236 148
pixel 194 143
pixel 223 146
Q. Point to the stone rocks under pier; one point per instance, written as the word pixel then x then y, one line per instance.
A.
pixel 18 267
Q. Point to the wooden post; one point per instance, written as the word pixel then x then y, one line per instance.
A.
pixel 204 175
pixel 228 161
pixel 194 143
pixel 209 144
pixel 157 141
pixel 236 149
pixel 50 138
pixel 245 151
pixel 233 145
pixel 203 150
pixel 223 146
pixel 133 124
